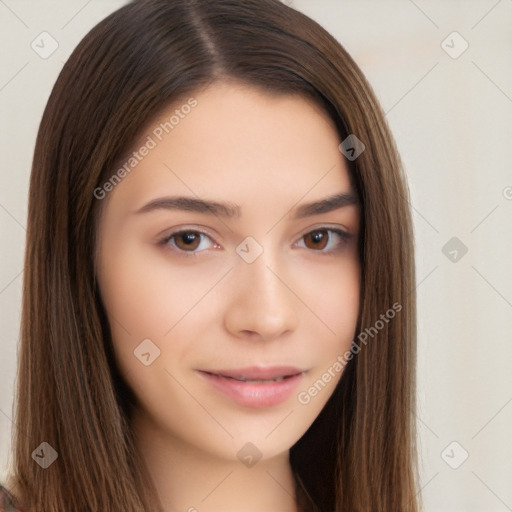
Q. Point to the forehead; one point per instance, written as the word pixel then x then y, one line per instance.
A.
pixel 231 140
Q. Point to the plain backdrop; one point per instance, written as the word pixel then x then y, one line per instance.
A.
pixel 450 109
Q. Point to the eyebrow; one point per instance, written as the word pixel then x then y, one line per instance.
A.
pixel 231 210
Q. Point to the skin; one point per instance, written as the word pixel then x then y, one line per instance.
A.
pixel 294 305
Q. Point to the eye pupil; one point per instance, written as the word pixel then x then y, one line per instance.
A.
pixel 188 239
pixel 317 237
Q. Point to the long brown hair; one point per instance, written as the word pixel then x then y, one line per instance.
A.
pixel 360 453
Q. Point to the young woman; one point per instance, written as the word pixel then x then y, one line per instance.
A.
pixel 219 306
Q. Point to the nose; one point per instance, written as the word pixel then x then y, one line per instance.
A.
pixel 262 305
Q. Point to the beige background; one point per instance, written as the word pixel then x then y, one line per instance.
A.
pixel 452 119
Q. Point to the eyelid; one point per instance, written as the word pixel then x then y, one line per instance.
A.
pixel 196 228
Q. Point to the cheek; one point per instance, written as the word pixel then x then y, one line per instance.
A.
pixel 148 297
pixel 150 305
pixel 336 305
pixel 335 300
pixel 146 292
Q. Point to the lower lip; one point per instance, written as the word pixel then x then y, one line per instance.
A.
pixel 254 394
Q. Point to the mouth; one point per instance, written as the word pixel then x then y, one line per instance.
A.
pixel 257 373
pixel 244 379
pixel 255 386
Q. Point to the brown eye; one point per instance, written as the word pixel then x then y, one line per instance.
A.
pixel 317 239
pixel 190 242
pixel 326 240
pixel 187 240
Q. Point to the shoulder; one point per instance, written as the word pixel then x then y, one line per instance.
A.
pixel 7 501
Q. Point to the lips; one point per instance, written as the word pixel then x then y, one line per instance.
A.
pixel 255 386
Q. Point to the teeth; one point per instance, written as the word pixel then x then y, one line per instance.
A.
pixel 243 379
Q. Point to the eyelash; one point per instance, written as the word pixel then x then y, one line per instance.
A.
pixel 345 237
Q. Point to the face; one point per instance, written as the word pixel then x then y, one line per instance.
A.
pixel 231 285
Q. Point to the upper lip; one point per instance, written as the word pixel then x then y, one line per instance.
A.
pixel 257 372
